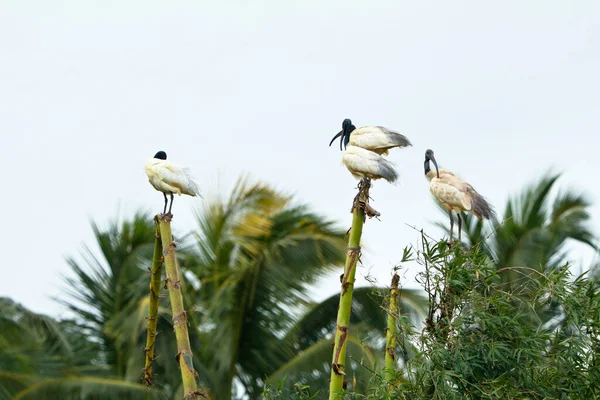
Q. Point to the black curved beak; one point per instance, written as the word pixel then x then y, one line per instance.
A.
pixel 437 171
pixel 340 133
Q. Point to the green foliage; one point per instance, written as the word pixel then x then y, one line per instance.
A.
pixel 484 341
pixel 503 318
pixel 297 392
pixel 247 270
pixel 536 226
pixel 41 358
pixel 107 290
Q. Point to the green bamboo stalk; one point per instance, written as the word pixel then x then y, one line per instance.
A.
pixel 157 261
pixel 180 323
pixel 390 335
pixel 336 385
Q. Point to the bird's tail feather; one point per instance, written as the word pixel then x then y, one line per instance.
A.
pixel 396 138
pixel 481 208
pixel 387 170
pixel 193 186
pixel 400 140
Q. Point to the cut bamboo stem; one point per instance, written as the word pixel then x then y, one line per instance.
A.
pixel 361 201
pixel 390 336
pixel 155 272
pixel 180 322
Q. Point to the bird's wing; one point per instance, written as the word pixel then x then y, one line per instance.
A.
pixel 377 138
pixel 451 190
pixel 178 177
pixel 480 207
pixel 369 163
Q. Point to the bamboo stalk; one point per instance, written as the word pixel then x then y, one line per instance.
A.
pixel 157 261
pixel 390 335
pixel 180 323
pixel 361 200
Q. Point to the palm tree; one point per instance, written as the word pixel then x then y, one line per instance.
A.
pixel 42 358
pixel 107 288
pixel 311 339
pixel 248 268
pixel 256 255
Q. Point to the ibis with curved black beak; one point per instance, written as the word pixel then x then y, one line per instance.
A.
pixel 374 138
pixel 454 194
pixel 365 148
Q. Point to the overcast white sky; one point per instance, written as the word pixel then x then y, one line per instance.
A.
pixel 502 91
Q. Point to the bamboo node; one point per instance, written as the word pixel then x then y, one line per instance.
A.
pixel 197 392
pixel 354 255
pixel 345 286
pixel 369 211
pixel 181 317
pixel 147 376
pixel 341 343
pixel 395 281
pixel 166 217
pixel 392 352
pixel 338 369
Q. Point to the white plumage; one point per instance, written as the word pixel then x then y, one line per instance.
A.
pixel 364 163
pixel 169 178
pixel 377 139
pixel 454 194
pixel 365 148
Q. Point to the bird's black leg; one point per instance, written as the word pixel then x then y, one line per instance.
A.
pixel 451 225
pixel 171 206
pixel 459 228
pixel 166 201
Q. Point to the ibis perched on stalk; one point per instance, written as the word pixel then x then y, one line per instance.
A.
pixel 454 194
pixel 170 179
pixel 365 148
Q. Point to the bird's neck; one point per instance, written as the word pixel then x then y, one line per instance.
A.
pixel 430 175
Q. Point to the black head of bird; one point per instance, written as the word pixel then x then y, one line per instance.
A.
pixel 161 155
pixel 430 157
pixel 347 129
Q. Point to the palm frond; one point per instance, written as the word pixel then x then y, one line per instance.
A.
pixel 79 388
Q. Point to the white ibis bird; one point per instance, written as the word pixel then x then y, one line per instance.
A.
pixel 374 138
pixel 365 148
pixel 455 194
pixel 170 179
pixel 364 163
